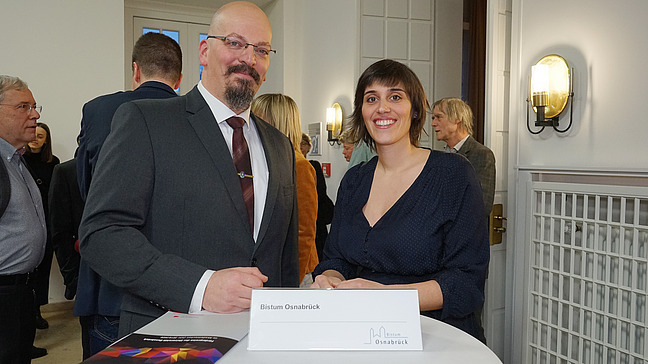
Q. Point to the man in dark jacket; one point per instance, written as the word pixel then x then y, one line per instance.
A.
pixel 66 209
pixel 157 71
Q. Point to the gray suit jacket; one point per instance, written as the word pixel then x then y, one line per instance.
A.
pixel 483 161
pixel 165 204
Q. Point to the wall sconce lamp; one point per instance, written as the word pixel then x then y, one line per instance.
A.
pixel 334 123
pixel 550 90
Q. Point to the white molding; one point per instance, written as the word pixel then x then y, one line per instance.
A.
pixel 640 172
pixel 517 201
pixel 167 11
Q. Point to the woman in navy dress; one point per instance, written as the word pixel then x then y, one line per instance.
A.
pixel 410 217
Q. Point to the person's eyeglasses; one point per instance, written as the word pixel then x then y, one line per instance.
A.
pixel 237 44
pixel 26 107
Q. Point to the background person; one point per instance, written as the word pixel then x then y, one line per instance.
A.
pixel 452 120
pixel 406 219
pixel 361 153
pixel 281 112
pixel 23 231
pixel 305 145
pixel 172 226
pixel 41 162
pixel 324 203
pixel 347 146
pixel 66 209
pixel 157 71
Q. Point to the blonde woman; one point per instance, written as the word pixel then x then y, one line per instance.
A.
pixel 282 113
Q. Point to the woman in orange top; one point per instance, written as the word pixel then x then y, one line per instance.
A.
pixel 282 113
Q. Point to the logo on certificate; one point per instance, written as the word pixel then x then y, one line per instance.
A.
pixel 384 337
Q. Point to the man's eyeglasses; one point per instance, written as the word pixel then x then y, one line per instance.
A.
pixel 26 107
pixel 237 44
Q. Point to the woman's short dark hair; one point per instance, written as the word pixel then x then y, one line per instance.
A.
pixel 388 73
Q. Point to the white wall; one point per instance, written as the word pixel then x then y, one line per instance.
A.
pixel 68 51
pixel 274 82
pixel 316 65
pixel 329 74
pixel 606 47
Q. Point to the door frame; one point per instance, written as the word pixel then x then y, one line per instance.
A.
pixel 193 21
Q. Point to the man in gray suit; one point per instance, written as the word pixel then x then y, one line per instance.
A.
pixel 166 218
pixel 452 120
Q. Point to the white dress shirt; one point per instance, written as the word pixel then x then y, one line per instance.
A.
pixel 259 171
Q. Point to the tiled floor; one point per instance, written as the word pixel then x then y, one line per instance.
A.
pixel 63 337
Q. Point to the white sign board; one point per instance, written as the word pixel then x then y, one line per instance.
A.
pixel 337 319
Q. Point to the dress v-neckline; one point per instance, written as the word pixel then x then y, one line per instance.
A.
pixel 400 198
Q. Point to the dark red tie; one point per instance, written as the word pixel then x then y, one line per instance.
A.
pixel 241 156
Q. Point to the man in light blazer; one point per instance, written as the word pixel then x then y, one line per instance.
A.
pixel 165 218
pixel 452 120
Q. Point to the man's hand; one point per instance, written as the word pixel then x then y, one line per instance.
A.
pixel 230 290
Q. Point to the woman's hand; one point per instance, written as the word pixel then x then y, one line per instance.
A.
pixel 328 279
pixel 360 283
pixel 429 292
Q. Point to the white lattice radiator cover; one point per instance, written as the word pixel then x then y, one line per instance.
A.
pixel 588 266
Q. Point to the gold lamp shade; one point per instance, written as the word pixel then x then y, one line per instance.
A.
pixel 334 120
pixel 550 82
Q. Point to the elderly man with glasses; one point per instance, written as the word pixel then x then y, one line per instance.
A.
pixel 22 222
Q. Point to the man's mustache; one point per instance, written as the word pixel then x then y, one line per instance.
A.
pixel 244 68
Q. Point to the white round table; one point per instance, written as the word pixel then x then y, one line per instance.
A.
pixel 442 343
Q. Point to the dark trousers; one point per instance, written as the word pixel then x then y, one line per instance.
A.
pixel 41 276
pixel 17 323
pixel 97 333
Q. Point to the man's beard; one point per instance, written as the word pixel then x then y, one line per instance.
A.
pixel 239 93
pixel 239 96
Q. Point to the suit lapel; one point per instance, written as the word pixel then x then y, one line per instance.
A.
pixel 202 120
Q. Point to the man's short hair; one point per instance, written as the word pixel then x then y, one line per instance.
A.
pixel 158 55
pixel 456 109
pixel 10 83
